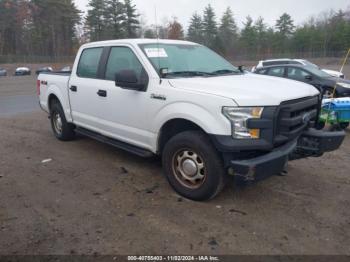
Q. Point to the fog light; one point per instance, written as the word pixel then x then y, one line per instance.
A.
pixel 254 133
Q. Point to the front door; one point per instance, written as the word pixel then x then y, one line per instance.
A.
pixel 125 114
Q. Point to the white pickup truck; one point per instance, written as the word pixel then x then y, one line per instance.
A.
pixel 179 100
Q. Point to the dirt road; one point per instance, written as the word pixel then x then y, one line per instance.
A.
pixel 91 198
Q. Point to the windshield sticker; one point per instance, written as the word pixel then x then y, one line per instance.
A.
pixel 156 52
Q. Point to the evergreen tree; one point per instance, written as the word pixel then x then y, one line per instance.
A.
pixel 285 29
pixel 114 18
pixel 53 26
pixel 8 26
pixel 339 33
pixel 150 33
pixel 228 31
pixel 195 29
pixel 95 20
pixel 261 36
pixel 210 28
pixel 248 37
pixel 131 19
pixel 285 25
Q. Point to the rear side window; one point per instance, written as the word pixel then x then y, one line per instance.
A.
pixel 278 71
pixel 89 61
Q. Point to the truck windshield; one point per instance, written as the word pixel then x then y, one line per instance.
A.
pixel 181 60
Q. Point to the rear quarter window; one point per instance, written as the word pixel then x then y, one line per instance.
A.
pixel 89 62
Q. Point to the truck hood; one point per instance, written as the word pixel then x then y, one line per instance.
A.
pixel 248 89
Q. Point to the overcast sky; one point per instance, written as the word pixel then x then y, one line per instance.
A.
pixel 270 10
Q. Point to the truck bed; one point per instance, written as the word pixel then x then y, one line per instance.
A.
pixel 57 83
pixel 57 73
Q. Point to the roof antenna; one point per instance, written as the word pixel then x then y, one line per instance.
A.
pixel 157 35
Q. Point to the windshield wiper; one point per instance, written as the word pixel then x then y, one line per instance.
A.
pixel 188 73
pixel 226 72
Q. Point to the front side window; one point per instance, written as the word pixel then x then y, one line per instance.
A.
pixel 317 72
pixel 89 61
pixel 186 60
pixel 297 74
pixel 262 71
pixel 122 59
pixel 278 71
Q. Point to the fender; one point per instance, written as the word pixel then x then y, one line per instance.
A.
pixel 191 112
pixel 63 98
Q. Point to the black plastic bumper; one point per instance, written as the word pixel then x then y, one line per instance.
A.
pixel 261 167
pixel 314 143
pixel 311 143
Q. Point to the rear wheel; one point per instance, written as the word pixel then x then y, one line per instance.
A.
pixel 344 125
pixel 328 93
pixel 63 130
pixel 193 167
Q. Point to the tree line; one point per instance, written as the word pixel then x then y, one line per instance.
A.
pixel 41 27
pixel 56 28
pixel 322 36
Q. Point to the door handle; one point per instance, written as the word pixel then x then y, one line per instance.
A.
pixel 102 93
pixel 73 88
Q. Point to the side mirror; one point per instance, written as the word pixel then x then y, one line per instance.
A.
pixel 308 77
pixel 127 79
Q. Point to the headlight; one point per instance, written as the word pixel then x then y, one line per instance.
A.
pixel 345 85
pixel 239 116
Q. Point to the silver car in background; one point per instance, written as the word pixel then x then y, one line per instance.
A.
pixel 3 72
pixel 288 61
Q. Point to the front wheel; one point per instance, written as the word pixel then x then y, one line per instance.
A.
pixel 193 167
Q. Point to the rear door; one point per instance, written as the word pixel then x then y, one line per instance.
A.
pixel 83 87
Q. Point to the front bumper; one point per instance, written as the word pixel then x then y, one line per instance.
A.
pixel 311 143
pixel 343 92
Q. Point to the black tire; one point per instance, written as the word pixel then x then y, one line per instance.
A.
pixel 65 131
pixel 320 125
pixel 344 125
pixel 209 160
pixel 328 93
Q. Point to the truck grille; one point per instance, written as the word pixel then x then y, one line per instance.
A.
pixel 294 117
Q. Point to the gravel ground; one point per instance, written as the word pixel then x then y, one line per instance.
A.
pixel 90 198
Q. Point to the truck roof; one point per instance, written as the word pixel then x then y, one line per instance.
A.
pixel 137 42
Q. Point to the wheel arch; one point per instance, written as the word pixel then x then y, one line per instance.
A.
pixel 173 127
pixel 55 93
pixel 51 98
pixel 179 117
